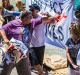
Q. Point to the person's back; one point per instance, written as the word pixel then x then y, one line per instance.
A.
pixel 12 28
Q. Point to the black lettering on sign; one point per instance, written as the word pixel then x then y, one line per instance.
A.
pixel 47 29
pixel 60 5
pixel 61 36
pixel 55 6
pixel 50 31
pixel 54 35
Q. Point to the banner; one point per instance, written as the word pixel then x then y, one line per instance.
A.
pixel 57 33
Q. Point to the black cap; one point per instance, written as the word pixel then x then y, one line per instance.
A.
pixel 35 6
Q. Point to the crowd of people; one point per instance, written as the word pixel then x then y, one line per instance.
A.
pixel 28 27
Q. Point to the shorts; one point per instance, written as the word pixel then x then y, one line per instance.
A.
pixel 37 55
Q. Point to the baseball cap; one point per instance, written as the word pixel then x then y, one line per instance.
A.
pixel 35 6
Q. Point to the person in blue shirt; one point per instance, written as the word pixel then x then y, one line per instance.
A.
pixel 72 49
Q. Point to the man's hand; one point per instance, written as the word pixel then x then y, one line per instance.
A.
pixel 7 42
pixel 75 66
pixel 3 34
pixel 48 20
pixel 45 14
